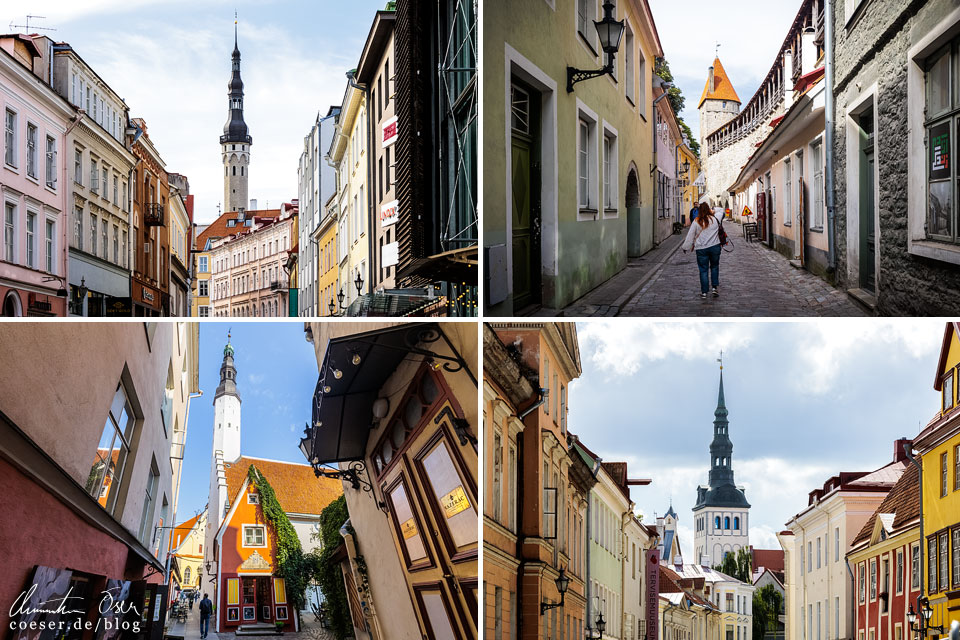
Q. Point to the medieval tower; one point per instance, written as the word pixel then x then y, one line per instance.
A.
pixel 722 514
pixel 236 141
pixel 719 103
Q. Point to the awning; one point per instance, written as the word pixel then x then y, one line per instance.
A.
pixel 354 370
pixel 456 265
pixel 396 303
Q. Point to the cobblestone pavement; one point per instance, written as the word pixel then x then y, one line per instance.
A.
pixel 609 297
pixel 309 630
pixel 754 281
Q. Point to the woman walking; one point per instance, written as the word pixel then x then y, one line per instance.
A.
pixel 704 237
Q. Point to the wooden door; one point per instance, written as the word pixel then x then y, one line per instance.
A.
pixel 248 613
pixel 428 474
pixel 264 602
pixel 525 188
pixel 868 247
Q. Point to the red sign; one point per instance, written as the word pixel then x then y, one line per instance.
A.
pixel 390 131
pixel 653 593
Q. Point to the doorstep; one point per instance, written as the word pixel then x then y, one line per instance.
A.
pixel 864 298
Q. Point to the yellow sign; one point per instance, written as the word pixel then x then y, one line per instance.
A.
pixel 455 502
pixel 747 212
pixel 409 529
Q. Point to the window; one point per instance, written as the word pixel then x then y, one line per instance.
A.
pixel 726 522
pixel 943 474
pixel 819 551
pixel 9 227
pixel 93 234
pixel 116 244
pixel 50 176
pixel 253 498
pixel 123 246
pixel 863 580
pixel 628 65
pixel 204 287
pixel 31 239
pixel 10 138
pixel 204 311
pixel 948 391
pixel 810 556
pixel 563 409
pixel 31 150
pixel 955 557
pixel 78 227
pixel 816 221
pixel 788 194
pixel 940 124
pixel 253 536
pixel 106 474
pixel 898 576
pixel 497 496
pixel 944 561
pixel 103 238
pixel 116 183
pixel 584 20
pixel 932 565
pixel 94 176
pixel 736 523
pixel 915 567
pixel 610 173
pixel 587 166
pixel 873 580
pixel 836 544
pixel 78 166
pixel 149 504
pixel 836 617
pixel 956 467
pixel 49 245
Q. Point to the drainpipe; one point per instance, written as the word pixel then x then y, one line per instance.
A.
pixel 64 242
pixel 590 617
pixel 828 135
pixel 907 446
pixel 542 393
pixel 853 589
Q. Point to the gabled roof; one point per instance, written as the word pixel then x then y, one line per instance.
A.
pixel 772 559
pixel 722 87
pixel 899 510
pixel 219 229
pixel 298 489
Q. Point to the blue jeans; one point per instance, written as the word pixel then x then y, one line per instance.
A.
pixel 204 625
pixel 709 260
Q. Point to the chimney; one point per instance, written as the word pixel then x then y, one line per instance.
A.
pixel 712 81
pixel 788 79
pixel 808 51
pixel 899 455
pixel 253 204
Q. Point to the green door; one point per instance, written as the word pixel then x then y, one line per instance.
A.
pixel 525 187
pixel 868 244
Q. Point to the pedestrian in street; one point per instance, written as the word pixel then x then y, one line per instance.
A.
pixel 205 608
pixel 704 237
pixel 190 598
pixel 693 213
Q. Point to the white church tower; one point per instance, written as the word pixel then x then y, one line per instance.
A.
pixel 226 444
pixel 722 514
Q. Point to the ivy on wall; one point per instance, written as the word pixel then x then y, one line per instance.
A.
pixel 291 562
pixel 327 571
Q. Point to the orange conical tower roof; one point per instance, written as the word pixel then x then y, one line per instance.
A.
pixel 722 87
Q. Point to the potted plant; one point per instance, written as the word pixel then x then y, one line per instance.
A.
pixel 279 625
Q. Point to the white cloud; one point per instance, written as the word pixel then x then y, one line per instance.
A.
pixel 621 348
pixel 255 378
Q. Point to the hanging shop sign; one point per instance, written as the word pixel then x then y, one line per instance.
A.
pixel 389 131
pixel 388 213
pixel 653 593
pixel 390 254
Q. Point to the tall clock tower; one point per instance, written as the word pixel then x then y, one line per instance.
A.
pixel 235 142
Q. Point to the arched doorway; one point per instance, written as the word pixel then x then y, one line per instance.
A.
pixel 639 222
pixel 12 307
pixel 633 189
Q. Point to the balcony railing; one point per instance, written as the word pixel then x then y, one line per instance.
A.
pixel 154 215
pixel 279 285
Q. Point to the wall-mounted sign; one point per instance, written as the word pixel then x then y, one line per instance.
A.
pixel 653 593
pixel 118 307
pixel 390 254
pixel 940 151
pixel 455 502
pixel 388 213
pixel 148 295
pixel 389 131
pixel 408 528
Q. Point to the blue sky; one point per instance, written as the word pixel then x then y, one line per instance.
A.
pixel 170 61
pixel 276 376
pixel 806 400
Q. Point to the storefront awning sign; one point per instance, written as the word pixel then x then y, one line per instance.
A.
pixel 389 131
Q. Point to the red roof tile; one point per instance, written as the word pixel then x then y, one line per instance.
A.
pixel 219 229
pixel 722 87
pixel 768 558
pixel 903 501
pixel 298 489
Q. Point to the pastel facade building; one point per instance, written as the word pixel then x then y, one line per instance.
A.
pixel 33 190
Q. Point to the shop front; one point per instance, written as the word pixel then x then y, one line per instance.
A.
pixel 147 299
pixel 18 301
pixel 95 286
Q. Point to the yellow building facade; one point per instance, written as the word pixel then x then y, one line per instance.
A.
pixel 328 267
pixel 689 192
pixel 200 300
pixel 939 447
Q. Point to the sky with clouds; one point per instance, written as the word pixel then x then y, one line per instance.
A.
pixel 276 377
pixel 750 34
pixel 806 400
pixel 170 61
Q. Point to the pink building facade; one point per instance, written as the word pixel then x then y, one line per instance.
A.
pixel 33 247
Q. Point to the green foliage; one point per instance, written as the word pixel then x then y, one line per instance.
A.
pixel 326 571
pixel 737 565
pixel 675 96
pixel 291 564
pixel 767 606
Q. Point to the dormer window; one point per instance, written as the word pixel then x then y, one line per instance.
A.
pixel 948 391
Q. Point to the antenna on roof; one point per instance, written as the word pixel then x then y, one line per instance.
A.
pixel 26 27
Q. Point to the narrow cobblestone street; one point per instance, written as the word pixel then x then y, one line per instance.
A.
pixel 754 281
pixel 190 630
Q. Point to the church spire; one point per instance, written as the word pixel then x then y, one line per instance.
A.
pixel 228 374
pixel 235 130
pixel 721 449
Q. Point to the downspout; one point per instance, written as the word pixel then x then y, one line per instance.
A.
pixel 366 103
pixel 64 242
pixel 828 137
pixel 590 596
pixel 653 128
pixel 853 589
pixel 907 446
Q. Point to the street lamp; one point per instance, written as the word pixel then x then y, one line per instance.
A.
pixel 333 307
pixel 686 166
pixel 923 617
pixel 358 282
pixel 562 583
pixel 610 32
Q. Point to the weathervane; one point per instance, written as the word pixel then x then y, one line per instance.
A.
pixel 716 51
pixel 720 359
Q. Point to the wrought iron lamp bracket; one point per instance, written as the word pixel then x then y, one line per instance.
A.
pixel 356 474
pixel 575 75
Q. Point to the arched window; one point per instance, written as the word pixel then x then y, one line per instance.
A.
pixel 186 576
pixel 726 522
pixel 736 523
pixel 716 522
